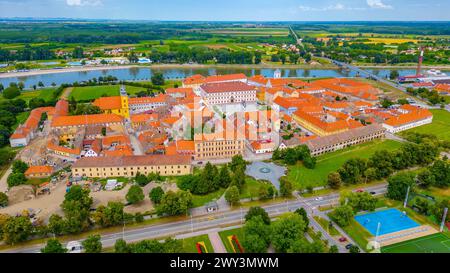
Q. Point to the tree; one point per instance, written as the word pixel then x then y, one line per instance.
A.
pixel 92 244
pixel 286 230
pixel 53 246
pixel 224 178
pixel 334 180
pixel 16 179
pixel 141 179
pixel 286 187
pixel 386 103
pixel 333 249
pixel 56 224
pixel 440 170
pixel 256 237
pixel 175 203
pixel 342 215
pixel 394 75
pixel 302 212
pixel 76 207
pixel 354 249
pixel 78 53
pixel 208 181
pixel 19 166
pixel 238 178
pixel 135 194
pixel 156 194
pixel 17 229
pixel 3 199
pixel 232 195
pixel 21 86
pixel 352 170
pixel 158 79
pixel 258 211
pixel 110 215
pixel 7 118
pixel 121 246
pixel 398 185
pixel 359 201
pixel 36 103
pixel 303 246
pixel 237 162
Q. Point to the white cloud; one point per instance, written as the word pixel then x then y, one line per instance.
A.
pixel 337 6
pixel 377 4
pixel 80 3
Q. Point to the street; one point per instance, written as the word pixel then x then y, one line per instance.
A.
pixel 216 220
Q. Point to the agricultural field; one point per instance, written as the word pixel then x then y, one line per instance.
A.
pixel 302 177
pixel 439 127
pixel 258 31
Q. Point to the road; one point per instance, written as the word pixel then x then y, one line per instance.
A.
pixel 211 221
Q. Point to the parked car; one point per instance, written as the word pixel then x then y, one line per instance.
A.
pixel 359 190
pixel 372 192
pixel 348 246
pixel 342 239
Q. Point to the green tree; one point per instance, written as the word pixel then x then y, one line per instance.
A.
pixel 398 185
pixel 238 178
pixel 158 79
pixel 258 211
pixel 354 249
pixel 17 229
pixel 288 229
pixel 237 162
pixel 110 215
pixel 232 195
pixel 334 180
pixel 286 187
pixel 16 179
pixel 302 212
pixel 53 246
pixel 19 166
pixel 224 178
pixel 3 199
pixel 359 201
pixel 92 244
pixel 342 215
pixel 156 194
pixel 135 194
pixel 121 246
pixel 56 224
pixel 11 92
pixel 333 249
pixel 256 237
pixel 394 74
pixel 141 179
pixel 175 203
pixel 76 207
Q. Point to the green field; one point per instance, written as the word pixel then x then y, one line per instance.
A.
pixel 93 92
pixel 440 126
pixel 435 243
pixel 189 244
pixel 250 188
pixel 200 200
pixel 224 234
pixel 303 177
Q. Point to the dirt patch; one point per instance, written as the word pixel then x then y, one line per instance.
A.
pixel 20 194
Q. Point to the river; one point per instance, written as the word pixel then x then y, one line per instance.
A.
pixel 145 73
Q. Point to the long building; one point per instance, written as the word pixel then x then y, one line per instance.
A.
pixel 326 144
pixel 227 93
pixel 409 117
pixel 129 166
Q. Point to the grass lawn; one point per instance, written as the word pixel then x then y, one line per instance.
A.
pixel 224 236
pixel 439 127
pixel 325 225
pixel 358 233
pixel 93 92
pixel 200 200
pixel 189 244
pixel 250 188
pixel 435 243
pixel 302 177
pixel 46 93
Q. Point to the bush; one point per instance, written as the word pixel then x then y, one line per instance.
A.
pixel 135 194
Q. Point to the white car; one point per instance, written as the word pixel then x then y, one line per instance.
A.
pixel 74 247
pixel 318 199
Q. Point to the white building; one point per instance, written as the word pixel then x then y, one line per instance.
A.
pixel 227 93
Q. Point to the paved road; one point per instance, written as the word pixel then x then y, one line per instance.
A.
pixel 216 220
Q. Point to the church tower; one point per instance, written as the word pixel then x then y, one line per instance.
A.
pixel 124 102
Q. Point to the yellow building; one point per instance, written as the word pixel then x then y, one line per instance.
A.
pixel 321 127
pixel 114 105
pixel 129 166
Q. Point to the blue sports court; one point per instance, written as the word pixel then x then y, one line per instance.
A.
pixel 392 220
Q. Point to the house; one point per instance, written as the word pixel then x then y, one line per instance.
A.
pixel 262 146
pixel 39 171
pixel 227 93
pixel 144 104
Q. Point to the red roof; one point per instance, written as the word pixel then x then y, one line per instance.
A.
pixel 226 87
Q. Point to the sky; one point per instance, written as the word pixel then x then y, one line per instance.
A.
pixel 232 10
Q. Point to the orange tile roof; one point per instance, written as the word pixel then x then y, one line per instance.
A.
pixel 225 78
pixel 410 117
pixel 195 79
pixel 442 87
pixel 185 145
pixel 54 147
pixel 39 170
pixel 226 87
pixel 259 79
pixel 186 90
pixel 83 120
pixel 62 108
pixel 108 103
pixel 139 118
pixel 161 98
pixel 325 126
pixel 121 150
pixel 336 104
pixel 117 139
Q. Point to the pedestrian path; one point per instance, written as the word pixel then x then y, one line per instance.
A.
pixel 216 242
